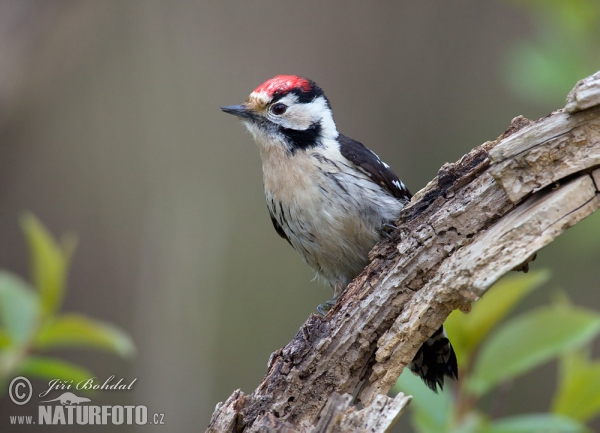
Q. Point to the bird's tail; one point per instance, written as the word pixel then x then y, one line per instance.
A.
pixel 434 360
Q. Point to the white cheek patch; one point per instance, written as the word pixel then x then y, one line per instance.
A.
pixel 320 112
pixel 296 117
pixel 301 116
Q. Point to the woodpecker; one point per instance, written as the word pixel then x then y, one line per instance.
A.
pixel 328 195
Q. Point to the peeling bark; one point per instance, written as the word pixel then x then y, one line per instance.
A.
pixel 478 219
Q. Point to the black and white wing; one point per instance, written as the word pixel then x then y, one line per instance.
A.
pixel 368 162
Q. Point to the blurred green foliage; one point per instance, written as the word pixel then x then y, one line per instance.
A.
pixel 578 393
pixel 492 351
pixel 30 319
pixel 562 50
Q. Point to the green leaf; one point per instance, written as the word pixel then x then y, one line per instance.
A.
pixel 18 308
pixel 5 339
pixel 49 262
pixel 579 382
pixel 52 368
pixel 431 412
pixel 533 423
pixel 468 330
pixel 529 340
pixel 77 330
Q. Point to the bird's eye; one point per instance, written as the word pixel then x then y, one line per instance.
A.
pixel 278 109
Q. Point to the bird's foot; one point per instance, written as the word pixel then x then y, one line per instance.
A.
pixel 389 226
pixel 324 308
pixel 387 229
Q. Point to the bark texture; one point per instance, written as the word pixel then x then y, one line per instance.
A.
pixel 478 219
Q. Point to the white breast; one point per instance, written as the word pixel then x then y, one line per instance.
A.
pixel 331 212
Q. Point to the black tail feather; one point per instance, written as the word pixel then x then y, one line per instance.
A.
pixel 435 360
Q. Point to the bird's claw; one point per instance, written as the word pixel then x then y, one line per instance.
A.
pixel 324 308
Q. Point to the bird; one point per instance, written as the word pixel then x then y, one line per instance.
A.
pixel 329 196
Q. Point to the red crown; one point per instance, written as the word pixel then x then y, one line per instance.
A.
pixel 283 84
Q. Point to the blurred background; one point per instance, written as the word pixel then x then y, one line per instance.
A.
pixel 110 128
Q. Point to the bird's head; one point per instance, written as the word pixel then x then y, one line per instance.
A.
pixel 289 111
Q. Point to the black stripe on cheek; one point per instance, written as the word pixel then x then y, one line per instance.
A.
pixel 303 139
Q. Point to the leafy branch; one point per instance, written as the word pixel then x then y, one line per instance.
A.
pixel 30 317
pixel 493 353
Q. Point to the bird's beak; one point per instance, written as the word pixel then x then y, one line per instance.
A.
pixel 240 111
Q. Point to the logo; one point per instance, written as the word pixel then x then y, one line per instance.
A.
pixel 68 398
pixel 20 390
pixel 71 409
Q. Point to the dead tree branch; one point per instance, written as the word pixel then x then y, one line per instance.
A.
pixel 479 218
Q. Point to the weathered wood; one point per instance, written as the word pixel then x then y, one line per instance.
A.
pixel 379 416
pixel 547 151
pixel 479 218
pixel 584 95
pixel 596 177
pixel 469 272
